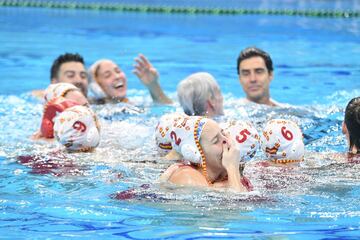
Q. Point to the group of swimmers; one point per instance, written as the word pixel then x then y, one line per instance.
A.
pixel 207 153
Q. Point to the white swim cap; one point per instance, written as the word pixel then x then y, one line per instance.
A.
pixel 185 136
pixel 163 130
pixel 245 136
pixel 58 90
pixel 94 86
pixel 77 128
pixel 282 141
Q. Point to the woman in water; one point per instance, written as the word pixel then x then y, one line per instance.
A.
pixel 209 156
pixel 58 97
pixel 77 129
pixel 109 83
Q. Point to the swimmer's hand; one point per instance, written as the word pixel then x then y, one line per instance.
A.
pixel 231 154
pixel 146 72
pixel 231 162
pixel 149 76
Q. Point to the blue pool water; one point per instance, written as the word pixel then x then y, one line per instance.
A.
pixel 317 71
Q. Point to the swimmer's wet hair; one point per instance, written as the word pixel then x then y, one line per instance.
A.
pixel 352 122
pixel 67 57
pixel 250 52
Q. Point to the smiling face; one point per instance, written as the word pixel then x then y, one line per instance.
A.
pixel 111 79
pixel 255 79
pixel 74 73
pixel 212 141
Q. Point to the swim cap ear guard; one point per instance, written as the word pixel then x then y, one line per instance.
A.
pixel 183 134
pixel 245 136
pixel 96 90
pixel 190 153
pixel 163 132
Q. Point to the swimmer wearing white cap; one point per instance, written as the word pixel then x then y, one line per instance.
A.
pixel 78 129
pixel 210 157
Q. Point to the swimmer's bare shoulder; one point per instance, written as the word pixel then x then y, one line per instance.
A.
pixel 184 175
pixel 188 176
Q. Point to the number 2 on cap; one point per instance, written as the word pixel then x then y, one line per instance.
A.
pixel 177 140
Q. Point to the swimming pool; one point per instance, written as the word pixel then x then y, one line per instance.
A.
pixel 316 70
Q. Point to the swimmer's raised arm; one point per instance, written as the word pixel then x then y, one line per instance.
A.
pixel 149 76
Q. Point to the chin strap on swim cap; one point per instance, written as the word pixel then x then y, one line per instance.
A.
pixel 199 124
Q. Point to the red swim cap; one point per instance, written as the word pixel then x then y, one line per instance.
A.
pixel 50 111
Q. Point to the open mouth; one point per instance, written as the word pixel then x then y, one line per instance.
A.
pixel 118 85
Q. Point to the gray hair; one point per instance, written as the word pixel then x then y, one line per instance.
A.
pixel 195 90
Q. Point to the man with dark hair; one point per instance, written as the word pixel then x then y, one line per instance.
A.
pixel 255 70
pixel 68 68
